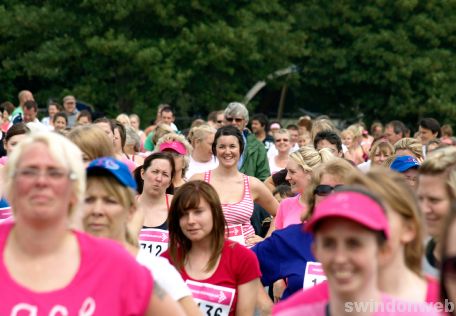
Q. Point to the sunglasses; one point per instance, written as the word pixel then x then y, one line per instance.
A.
pixel 220 122
pixel 325 190
pixel 231 119
pixel 449 266
pixel 282 140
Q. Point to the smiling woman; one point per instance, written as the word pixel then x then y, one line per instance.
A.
pixel 236 190
pixel 207 262
pixel 45 184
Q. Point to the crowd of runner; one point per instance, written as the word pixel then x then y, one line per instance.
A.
pixel 234 215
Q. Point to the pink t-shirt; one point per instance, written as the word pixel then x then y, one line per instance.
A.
pixel 388 306
pixel 109 282
pixel 320 292
pixel 289 212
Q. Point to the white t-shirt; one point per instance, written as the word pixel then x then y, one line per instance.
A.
pixel 273 166
pixel 165 274
pixel 272 151
pixel 195 167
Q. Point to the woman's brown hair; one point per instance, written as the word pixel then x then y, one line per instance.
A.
pixel 188 197
pixel 390 187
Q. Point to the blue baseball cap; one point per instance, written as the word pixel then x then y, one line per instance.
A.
pixel 115 167
pixel 404 163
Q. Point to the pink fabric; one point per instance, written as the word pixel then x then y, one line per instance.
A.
pixel 433 290
pixel 319 293
pixel 5 214
pixel 109 282
pixel 130 164
pixel 391 306
pixel 289 212
pixel 238 265
pixel 240 212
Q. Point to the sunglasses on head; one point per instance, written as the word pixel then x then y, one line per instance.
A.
pixel 325 190
pixel 231 119
pixel 449 266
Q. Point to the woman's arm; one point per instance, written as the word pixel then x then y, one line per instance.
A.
pixel 247 297
pixel 197 176
pixel 189 306
pixel 262 196
pixel 270 183
pixel 161 304
pixel 264 303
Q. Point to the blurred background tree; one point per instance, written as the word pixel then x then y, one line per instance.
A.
pixel 382 59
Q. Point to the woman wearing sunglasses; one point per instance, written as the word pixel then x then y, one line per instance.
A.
pixel 109 205
pixel 283 145
pixel 350 248
pixel 222 275
pixel 284 255
pixel 299 172
pixel 448 268
pixel 236 190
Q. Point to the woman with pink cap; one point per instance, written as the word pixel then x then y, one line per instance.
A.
pixel 180 149
pixel 351 229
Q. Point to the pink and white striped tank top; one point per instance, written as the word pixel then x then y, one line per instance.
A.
pixel 240 212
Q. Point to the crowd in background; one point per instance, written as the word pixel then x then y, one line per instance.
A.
pixel 232 215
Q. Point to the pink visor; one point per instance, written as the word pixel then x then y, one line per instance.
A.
pixel 174 146
pixel 352 205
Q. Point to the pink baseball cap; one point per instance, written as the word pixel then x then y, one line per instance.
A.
pixel 174 146
pixel 353 205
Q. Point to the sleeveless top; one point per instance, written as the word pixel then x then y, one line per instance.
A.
pixel 164 225
pixel 240 212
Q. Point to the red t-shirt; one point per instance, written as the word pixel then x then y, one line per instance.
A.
pixel 218 293
pixel 109 281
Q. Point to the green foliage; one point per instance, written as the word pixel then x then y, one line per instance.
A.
pixel 385 58
pixel 132 55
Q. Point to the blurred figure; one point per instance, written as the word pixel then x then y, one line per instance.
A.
pixel 407 166
pixel 215 119
pixel 201 158
pixel 260 127
pixel 53 109
pixel 394 131
pixel 69 105
pixel 84 118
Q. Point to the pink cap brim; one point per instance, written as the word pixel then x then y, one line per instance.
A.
pixel 174 146
pixel 352 205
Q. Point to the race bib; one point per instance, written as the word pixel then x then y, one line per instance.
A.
pixel 213 300
pixel 313 275
pixel 154 241
pixel 235 233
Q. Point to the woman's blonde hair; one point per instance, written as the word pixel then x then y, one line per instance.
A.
pixel 390 187
pixel 63 151
pixel 307 157
pixel 383 147
pixel 198 133
pixel 173 137
pixel 411 144
pixel 161 130
pixel 442 162
pixel 322 125
pixel 337 167
pixel 123 195
pixel 92 141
